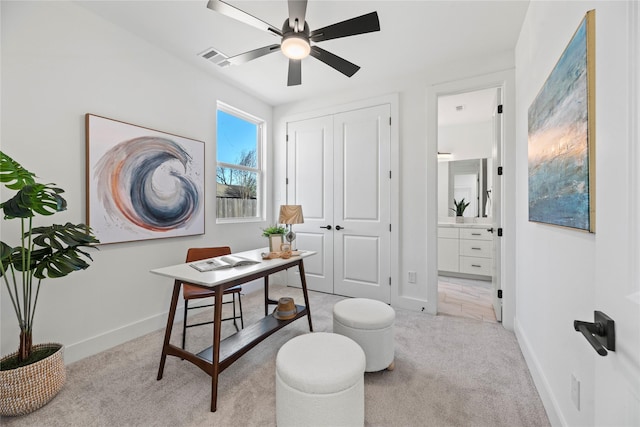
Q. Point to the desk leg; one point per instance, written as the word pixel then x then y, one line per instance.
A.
pixel 167 331
pixel 267 300
pixel 217 321
pixel 266 295
pixel 303 279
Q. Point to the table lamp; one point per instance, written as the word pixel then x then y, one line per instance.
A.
pixel 291 214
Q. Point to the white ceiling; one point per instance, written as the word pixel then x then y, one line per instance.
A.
pixel 469 107
pixel 415 35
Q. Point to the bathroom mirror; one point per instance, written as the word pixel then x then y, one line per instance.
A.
pixel 468 179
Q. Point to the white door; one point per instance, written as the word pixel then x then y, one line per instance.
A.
pixel 496 204
pixel 617 289
pixel 310 184
pixel 362 234
pixel 338 169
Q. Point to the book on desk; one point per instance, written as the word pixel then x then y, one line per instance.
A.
pixel 225 261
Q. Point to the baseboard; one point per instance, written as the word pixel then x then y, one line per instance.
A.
pixel 542 385
pixel 107 340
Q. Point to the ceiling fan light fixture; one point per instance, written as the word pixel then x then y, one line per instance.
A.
pixel 295 46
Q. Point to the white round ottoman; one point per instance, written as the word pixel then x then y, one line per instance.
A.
pixel 320 381
pixel 369 323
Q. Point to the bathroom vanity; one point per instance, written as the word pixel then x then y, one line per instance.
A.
pixel 465 249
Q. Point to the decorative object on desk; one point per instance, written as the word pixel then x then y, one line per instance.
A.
pixel 275 234
pixel 35 373
pixel 459 210
pixel 286 309
pixel 285 250
pixel 291 214
pixel 222 262
pixel 562 137
pixel 142 183
pixel 275 240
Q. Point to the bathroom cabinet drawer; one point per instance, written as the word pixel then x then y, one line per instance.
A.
pixel 476 248
pixel 475 234
pixel 475 265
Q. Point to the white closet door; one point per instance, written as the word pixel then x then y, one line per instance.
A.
pixel 361 201
pixel 310 175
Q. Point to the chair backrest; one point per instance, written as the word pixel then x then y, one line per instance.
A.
pixel 196 254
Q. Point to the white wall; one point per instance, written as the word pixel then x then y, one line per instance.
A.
pixel 417 165
pixel 466 141
pixel 60 61
pixel 564 274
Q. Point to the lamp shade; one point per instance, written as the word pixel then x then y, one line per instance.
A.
pixel 291 214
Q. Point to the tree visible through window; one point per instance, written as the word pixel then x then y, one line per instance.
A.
pixel 238 171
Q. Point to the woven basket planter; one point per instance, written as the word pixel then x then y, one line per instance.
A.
pixel 25 389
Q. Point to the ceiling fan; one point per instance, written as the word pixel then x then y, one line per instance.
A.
pixel 296 37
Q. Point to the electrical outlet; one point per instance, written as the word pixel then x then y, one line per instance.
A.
pixel 412 277
pixel 575 391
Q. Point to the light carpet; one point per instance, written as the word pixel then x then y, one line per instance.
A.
pixel 449 371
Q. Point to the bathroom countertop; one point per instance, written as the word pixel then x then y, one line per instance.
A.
pixel 464 225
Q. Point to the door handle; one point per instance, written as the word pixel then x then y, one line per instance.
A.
pixel 490 230
pixel 339 228
pixel 601 334
pixel 328 227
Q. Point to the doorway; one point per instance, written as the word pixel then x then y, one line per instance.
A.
pixel 469 144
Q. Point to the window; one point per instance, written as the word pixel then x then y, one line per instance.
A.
pixel 239 171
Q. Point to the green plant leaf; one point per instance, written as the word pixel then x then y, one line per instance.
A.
pixel 61 263
pixel 43 199
pixel 5 256
pixel 274 229
pixel 58 236
pixel 13 175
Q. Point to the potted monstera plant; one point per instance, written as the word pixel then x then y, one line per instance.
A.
pixel 459 209
pixel 33 375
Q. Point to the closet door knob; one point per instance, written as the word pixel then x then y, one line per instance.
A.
pixel 339 228
pixel 328 227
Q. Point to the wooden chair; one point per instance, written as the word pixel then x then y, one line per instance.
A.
pixel 191 292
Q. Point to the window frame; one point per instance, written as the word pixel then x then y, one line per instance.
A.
pixel 260 170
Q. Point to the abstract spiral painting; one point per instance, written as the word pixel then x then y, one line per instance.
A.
pixel 142 183
pixel 562 138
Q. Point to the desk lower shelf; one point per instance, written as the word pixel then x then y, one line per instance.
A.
pixel 234 346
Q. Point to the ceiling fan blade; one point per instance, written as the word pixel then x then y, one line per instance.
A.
pixel 297 10
pixel 295 72
pixel 242 16
pixel 362 24
pixel 253 54
pixel 345 67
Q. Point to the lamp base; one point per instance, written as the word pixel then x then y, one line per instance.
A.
pixel 291 237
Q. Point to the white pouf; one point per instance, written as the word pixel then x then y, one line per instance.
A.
pixel 320 381
pixel 369 323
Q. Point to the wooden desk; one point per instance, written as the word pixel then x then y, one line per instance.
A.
pixel 222 354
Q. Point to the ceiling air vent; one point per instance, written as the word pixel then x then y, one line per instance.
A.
pixel 218 58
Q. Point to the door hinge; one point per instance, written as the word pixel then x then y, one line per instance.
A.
pixel 500 109
pixel 389 121
pixel 499 293
pixel 499 232
pixel 500 170
pixel 389 174
pixel 286 181
pixel 287 138
pixel 389 280
pixel 389 227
